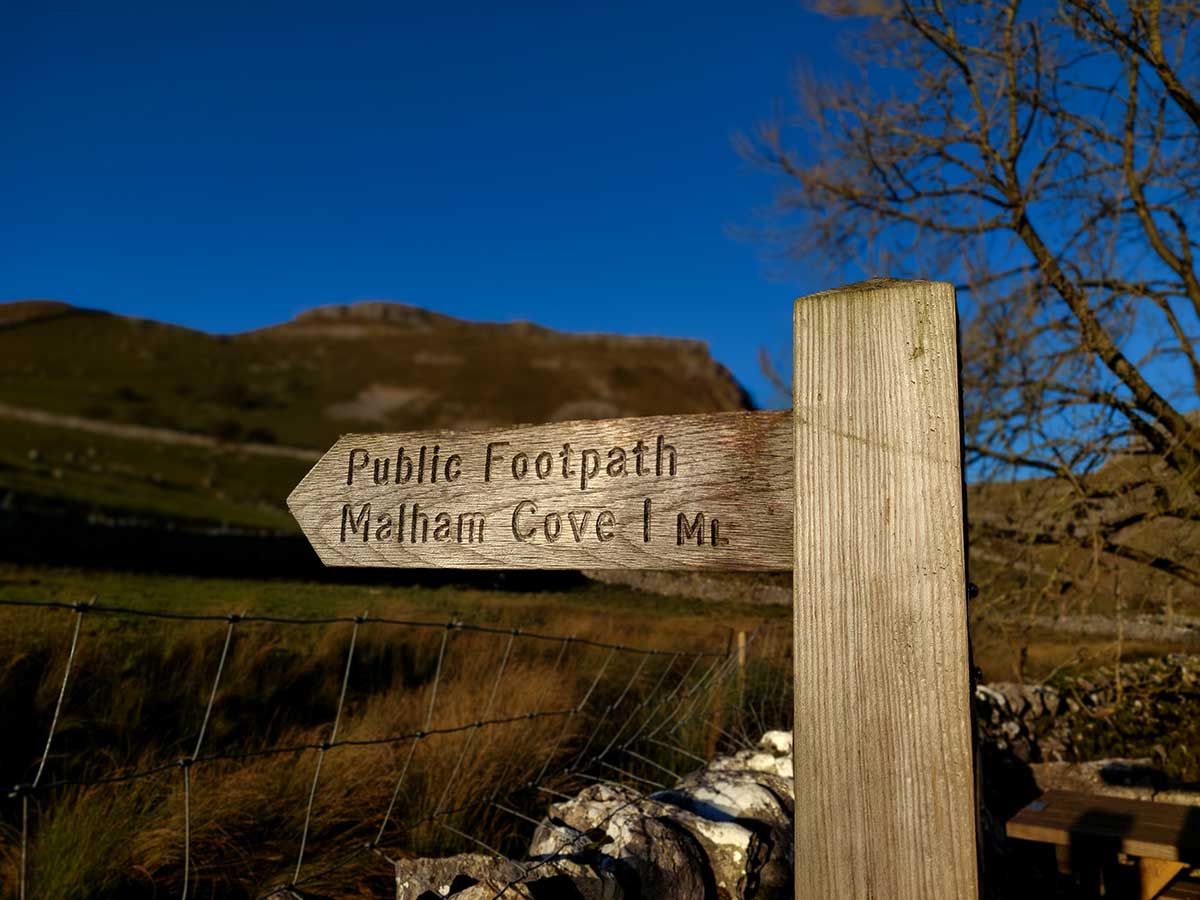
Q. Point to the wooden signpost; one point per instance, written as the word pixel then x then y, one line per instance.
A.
pixel 665 492
pixel 867 466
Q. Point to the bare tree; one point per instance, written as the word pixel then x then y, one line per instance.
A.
pixel 1046 158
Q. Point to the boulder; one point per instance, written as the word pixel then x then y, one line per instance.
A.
pixel 723 832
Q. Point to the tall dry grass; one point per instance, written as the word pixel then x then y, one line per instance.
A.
pixel 137 694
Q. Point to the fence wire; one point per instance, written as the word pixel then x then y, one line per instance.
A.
pixel 649 713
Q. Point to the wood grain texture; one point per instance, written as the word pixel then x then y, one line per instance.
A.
pixel 1187 889
pixel 1165 831
pixel 884 788
pixel 732 470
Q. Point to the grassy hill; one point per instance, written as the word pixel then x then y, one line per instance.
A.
pixel 369 366
pixel 141 420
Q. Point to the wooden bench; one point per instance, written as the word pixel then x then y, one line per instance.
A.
pixel 1132 848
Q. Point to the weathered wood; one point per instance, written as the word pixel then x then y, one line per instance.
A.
pixel 699 491
pixel 1155 874
pixel 1164 831
pixel 1184 889
pixel 884 790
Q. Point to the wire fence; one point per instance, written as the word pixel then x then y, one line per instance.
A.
pixel 517 718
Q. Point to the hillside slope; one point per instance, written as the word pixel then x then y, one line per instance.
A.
pixel 134 438
pixel 152 446
pixel 368 366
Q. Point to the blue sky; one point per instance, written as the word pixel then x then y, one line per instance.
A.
pixel 225 167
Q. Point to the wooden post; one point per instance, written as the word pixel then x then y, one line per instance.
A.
pixel 883 767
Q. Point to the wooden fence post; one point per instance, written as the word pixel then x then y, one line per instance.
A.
pixel 883 766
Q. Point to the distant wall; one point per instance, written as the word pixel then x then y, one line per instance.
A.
pixel 35 534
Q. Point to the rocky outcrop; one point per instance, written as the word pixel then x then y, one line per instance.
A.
pixel 723 833
pixel 418 368
pixel 364 313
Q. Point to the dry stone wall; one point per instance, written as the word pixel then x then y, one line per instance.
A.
pixel 722 833
pixel 1145 708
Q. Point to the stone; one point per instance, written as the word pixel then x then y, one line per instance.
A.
pixel 445 876
pixel 651 855
pixel 760 802
pixel 473 876
pixel 723 832
pixel 777 742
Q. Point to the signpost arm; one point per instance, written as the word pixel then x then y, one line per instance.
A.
pixel 883 765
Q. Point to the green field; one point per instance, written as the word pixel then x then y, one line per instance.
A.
pixel 605 607
pixel 56 465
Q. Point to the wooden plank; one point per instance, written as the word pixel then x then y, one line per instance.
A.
pixel 1185 889
pixel 1166 831
pixel 884 788
pixel 699 491
pixel 1155 874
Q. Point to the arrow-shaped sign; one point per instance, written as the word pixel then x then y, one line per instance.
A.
pixel 666 492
